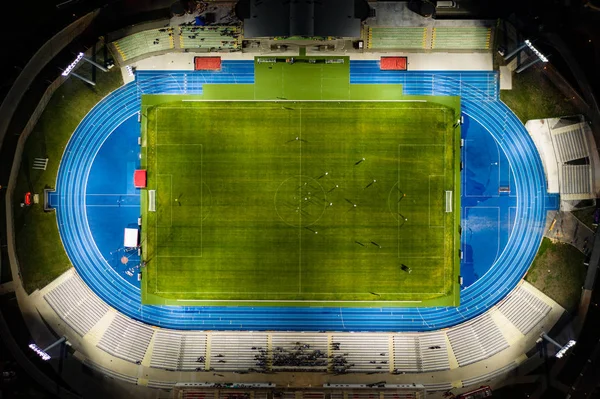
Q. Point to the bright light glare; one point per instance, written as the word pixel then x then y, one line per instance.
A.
pixel 72 65
pixel 40 352
pixel 564 349
pixel 536 51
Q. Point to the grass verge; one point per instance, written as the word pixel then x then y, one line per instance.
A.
pixel 534 96
pixel 41 258
pixel 558 272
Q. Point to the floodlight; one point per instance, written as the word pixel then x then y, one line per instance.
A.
pixel 43 353
pixel 564 349
pixel 40 352
pixel 72 65
pixel 536 51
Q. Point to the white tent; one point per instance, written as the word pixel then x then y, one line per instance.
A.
pixel 131 238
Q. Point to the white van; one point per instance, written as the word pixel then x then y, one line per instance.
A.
pixel 445 4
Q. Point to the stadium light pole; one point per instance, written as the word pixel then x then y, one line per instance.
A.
pixel 69 69
pixel 515 51
pixel 100 67
pixel 538 56
pixel 562 349
pixel 43 353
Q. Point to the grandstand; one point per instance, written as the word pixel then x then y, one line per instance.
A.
pixel 211 38
pixel 174 351
pixel 461 38
pixel 382 38
pixel 467 38
pixel 145 42
pixel 566 145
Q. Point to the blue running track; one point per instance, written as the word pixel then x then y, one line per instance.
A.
pixel 78 195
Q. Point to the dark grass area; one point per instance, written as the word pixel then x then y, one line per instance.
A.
pixel 534 96
pixel 273 201
pixel 41 256
pixel 558 271
pixel 586 216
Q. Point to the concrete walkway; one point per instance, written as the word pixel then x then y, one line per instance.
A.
pixel 566 228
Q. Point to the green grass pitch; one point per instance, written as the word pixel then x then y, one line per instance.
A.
pixel 301 203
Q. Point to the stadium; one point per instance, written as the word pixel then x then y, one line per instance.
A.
pixel 268 199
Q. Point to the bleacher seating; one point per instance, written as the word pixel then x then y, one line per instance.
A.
pixel 523 309
pixel 476 340
pixel 420 352
pixel 489 376
pixel 238 351
pixel 214 38
pixel 363 354
pixel 148 41
pixel 166 351
pixel 306 351
pixel 194 346
pixel 126 339
pixel 570 143
pixel 576 179
pixel 433 351
pixel 406 355
pixel 396 38
pixel 76 304
pixel 181 351
pixel 461 38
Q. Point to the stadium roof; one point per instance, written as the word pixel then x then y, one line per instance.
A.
pixel 269 18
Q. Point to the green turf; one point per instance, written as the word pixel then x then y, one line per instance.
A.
pixel 558 272
pixel 243 212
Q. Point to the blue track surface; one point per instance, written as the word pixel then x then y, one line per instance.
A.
pixel 516 219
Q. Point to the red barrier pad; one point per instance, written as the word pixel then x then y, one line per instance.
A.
pixel 207 63
pixel 393 63
pixel 139 178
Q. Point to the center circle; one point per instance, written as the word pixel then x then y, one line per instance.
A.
pixel 300 201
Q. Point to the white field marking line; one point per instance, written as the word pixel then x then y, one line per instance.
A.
pixel 156 174
pixel 429 208
pixel 291 293
pixel 313 108
pixel 304 101
pixel 201 207
pixel 186 144
pixel 288 301
pixel 307 108
pixel 445 173
pixel 300 214
pixel 178 256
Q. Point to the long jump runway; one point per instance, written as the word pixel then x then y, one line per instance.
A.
pixel 93 206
